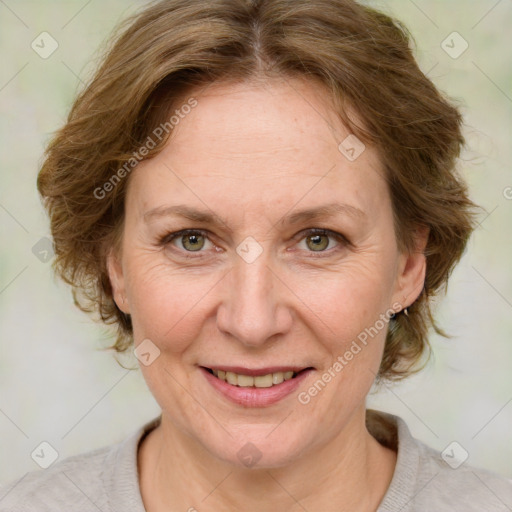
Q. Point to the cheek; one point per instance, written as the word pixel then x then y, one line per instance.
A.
pixel 167 304
pixel 347 301
pixel 346 319
pixel 170 305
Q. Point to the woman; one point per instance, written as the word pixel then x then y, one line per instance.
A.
pixel 261 196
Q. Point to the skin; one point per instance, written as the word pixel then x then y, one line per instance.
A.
pixel 253 154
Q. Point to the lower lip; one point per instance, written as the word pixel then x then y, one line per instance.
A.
pixel 252 396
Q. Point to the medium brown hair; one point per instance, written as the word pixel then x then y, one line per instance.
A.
pixel 364 59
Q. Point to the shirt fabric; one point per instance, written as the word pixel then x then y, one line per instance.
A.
pixel 107 480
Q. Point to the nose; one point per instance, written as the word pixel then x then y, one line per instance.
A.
pixel 255 306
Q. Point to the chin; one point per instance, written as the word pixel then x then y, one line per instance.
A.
pixel 260 452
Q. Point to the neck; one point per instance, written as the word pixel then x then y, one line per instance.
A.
pixel 351 472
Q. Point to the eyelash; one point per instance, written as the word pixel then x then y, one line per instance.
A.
pixel 170 237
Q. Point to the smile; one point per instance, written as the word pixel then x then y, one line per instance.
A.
pixel 263 388
pixel 247 381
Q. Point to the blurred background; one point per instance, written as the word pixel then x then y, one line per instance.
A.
pixel 56 385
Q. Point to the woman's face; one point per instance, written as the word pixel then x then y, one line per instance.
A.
pixel 252 286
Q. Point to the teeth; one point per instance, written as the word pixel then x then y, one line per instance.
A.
pixel 277 378
pixel 247 381
pixel 231 378
pixel 263 381
pixel 243 381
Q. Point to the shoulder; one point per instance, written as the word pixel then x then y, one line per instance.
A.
pixel 77 481
pixel 447 480
pixel 103 479
pixel 425 479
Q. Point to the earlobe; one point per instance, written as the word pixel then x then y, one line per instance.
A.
pixel 116 276
pixel 412 270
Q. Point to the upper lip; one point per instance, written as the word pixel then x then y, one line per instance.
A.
pixel 255 372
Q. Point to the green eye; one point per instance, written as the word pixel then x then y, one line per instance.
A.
pixel 193 242
pixel 318 242
pixel 187 240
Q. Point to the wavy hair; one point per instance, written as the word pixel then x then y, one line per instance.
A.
pixel 362 56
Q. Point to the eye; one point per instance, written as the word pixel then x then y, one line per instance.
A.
pixel 194 240
pixel 188 240
pixel 318 240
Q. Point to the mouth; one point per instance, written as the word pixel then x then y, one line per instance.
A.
pixel 262 378
pixel 261 387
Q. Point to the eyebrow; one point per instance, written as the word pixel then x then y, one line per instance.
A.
pixel 325 211
pixel 320 212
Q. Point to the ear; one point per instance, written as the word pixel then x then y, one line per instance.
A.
pixel 412 268
pixel 116 276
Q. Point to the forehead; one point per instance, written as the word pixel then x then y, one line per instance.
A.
pixel 259 144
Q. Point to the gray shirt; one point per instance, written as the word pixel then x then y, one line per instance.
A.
pixel 107 480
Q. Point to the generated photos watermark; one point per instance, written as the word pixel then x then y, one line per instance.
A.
pixel 355 348
pixel 150 143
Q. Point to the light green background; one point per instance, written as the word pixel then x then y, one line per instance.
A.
pixel 54 385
